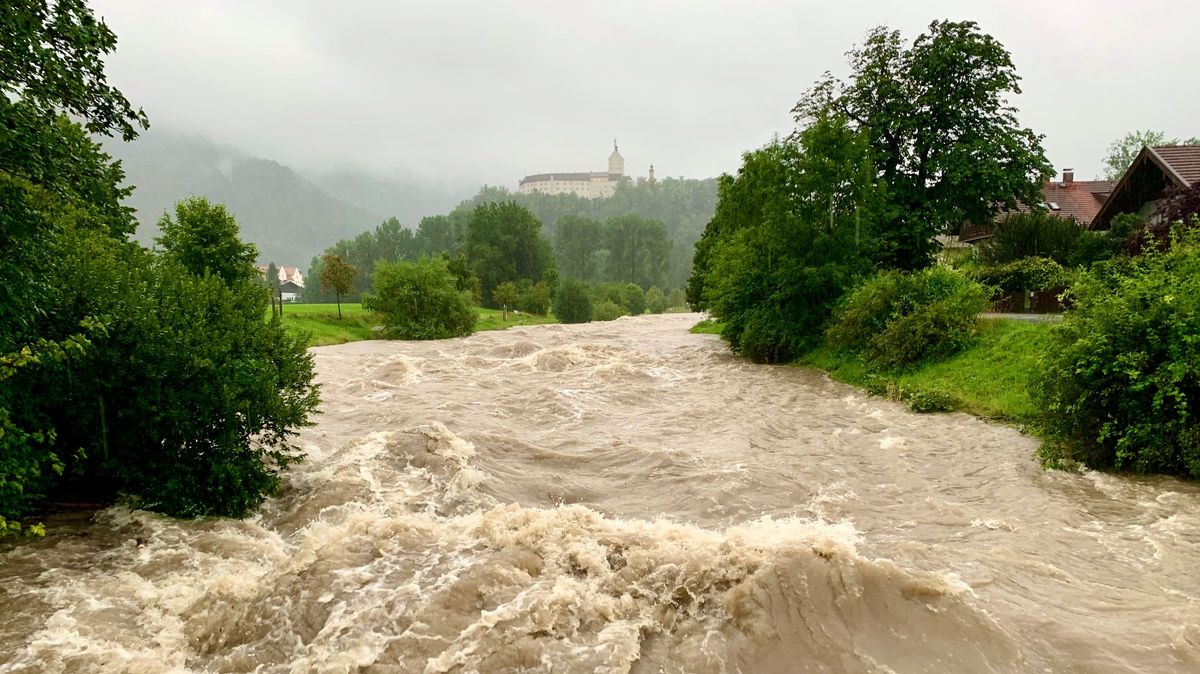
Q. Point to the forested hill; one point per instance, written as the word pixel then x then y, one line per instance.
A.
pixel 684 205
pixel 286 214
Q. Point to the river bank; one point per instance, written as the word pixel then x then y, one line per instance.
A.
pixel 324 328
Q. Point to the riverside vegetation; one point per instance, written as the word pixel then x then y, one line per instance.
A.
pixel 822 251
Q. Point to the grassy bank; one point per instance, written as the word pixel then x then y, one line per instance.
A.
pixel 321 322
pixel 989 379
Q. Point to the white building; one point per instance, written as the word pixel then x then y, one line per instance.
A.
pixel 587 185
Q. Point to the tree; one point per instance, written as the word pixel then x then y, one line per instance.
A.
pixel 578 247
pixel 420 300
pixel 633 298
pixel 535 297
pixel 506 295
pixel 573 302
pixel 638 250
pixel 1121 152
pixel 337 275
pixel 504 244
pixel 54 62
pixel 656 301
pixel 941 134
pixel 203 237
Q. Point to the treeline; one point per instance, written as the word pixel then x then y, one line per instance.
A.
pixel 123 370
pixel 644 234
pixel 829 238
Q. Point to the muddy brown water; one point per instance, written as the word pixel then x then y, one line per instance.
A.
pixel 625 497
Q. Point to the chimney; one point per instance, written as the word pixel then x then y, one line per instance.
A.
pixel 1068 175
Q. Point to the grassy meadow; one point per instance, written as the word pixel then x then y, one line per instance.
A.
pixel 323 327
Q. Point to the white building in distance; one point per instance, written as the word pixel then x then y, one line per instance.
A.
pixel 587 185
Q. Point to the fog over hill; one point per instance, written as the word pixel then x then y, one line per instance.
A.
pixel 290 215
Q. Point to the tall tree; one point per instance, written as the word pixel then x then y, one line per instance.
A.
pixel 578 247
pixel 337 275
pixel 942 134
pixel 504 244
pixel 638 250
pixel 204 238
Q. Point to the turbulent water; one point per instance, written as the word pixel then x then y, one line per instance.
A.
pixel 625 497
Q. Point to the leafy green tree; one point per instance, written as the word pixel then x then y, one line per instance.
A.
pixel 204 238
pixel 272 278
pixel 504 244
pixel 506 294
pixel 573 302
pixel 633 299
pixel 579 247
pixel 941 132
pixel 1031 235
pixel 656 301
pixel 535 298
pixel 1121 152
pixel 420 300
pixel 464 280
pixel 607 310
pixel 637 250
pixel 337 275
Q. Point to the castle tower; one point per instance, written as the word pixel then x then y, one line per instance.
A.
pixel 651 178
pixel 616 163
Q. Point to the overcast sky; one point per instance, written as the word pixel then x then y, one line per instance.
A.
pixel 475 92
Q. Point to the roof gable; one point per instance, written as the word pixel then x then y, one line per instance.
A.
pixel 1152 171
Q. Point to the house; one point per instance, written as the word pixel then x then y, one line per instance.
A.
pixel 291 281
pixel 1080 200
pixel 1154 172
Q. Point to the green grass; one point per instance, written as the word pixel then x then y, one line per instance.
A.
pixel 989 379
pixel 493 319
pixel 707 327
pixel 321 322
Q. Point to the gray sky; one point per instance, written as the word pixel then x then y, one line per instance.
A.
pixel 474 92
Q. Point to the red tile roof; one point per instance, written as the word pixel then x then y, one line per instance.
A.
pixel 1078 199
pixel 1182 160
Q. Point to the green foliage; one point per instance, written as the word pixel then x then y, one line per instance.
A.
pixel 637 250
pixel 924 401
pixel 1121 387
pixel 1024 235
pixel 607 310
pixel 633 299
pixel 204 238
pixel 940 130
pixel 579 248
pixel 573 302
pixel 504 244
pixel 506 294
pixel 337 275
pixel 420 300
pixel 776 256
pixel 534 298
pixel 676 298
pixel 1028 273
pixel 896 319
pixel 656 301
pixel 706 327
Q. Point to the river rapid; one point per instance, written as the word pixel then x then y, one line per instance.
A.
pixel 625 497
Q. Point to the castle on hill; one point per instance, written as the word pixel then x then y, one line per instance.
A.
pixel 590 185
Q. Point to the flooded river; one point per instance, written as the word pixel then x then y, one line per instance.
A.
pixel 625 497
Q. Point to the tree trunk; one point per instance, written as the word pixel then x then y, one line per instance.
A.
pixel 339 303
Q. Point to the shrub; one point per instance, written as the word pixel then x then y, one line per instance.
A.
pixel 1024 235
pixel 633 299
pixel 929 400
pixel 676 299
pixel 1027 273
pixel 420 300
pixel 573 302
pixel 607 310
pixel 656 301
pixel 1122 388
pixel 896 318
pixel 534 298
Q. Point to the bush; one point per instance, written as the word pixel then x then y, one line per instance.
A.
pixel 656 301
pixel 1122 388
pixel 924 401
pixel 420 300
pixel 633 299
pixel 1028 273
pixel 1024 235
pixel 896 318
pixel 534 297
pixel 573 302
pixel 607 310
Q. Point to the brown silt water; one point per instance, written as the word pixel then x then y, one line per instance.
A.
pixel 625 497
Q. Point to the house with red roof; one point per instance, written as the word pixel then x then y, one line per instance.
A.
pixel 1154 172
pixel 1079 200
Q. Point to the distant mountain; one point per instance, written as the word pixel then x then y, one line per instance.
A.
pixel 288 216
pixel 407 199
